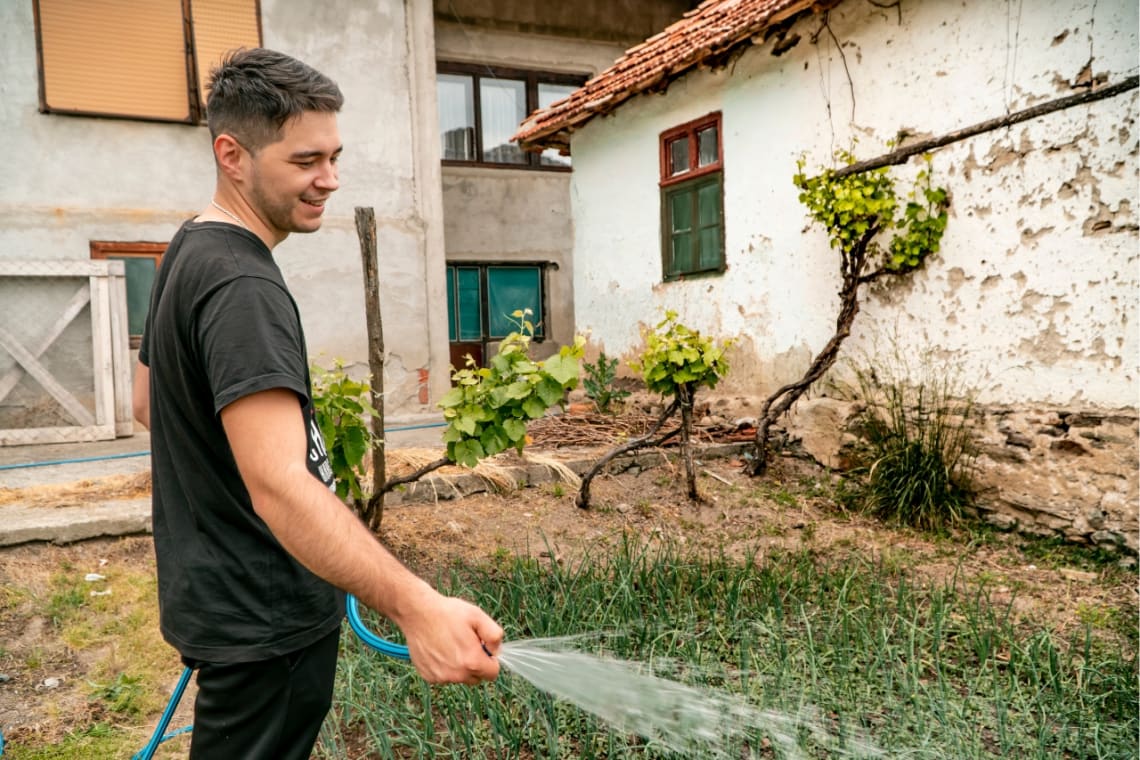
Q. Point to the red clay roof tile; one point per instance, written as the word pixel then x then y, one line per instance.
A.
pixel 709 31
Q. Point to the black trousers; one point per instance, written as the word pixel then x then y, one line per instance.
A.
pixel 267 710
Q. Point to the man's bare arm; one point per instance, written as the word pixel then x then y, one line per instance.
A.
pixel 140 394
pixel 267 434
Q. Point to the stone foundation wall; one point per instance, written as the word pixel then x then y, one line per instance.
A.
pixel 1043 471
pixel 1047 471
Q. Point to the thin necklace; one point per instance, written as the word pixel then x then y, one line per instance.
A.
pixel 230 214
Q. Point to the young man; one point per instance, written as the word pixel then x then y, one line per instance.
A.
pixel 252 543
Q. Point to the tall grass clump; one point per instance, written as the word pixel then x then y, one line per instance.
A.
pixel 915 454
pixel 854 651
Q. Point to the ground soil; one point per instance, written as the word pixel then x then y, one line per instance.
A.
pixel 792 507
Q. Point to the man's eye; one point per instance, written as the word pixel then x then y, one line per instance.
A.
pixel 305 164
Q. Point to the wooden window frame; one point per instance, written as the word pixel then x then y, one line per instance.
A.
pixel 110 249
pixel 671 184
pixel 197 107
pixel 532 77
pixel 689 131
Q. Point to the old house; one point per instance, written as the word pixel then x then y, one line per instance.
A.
pixel 102 108
pixel 682 198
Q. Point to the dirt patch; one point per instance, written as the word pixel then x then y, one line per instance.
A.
pixel 792 508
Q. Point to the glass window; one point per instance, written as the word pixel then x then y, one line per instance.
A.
pixel 502 107
pixel 511 289
pixel 678 157
pixel 140 263
pixel 707 150
pixel 456 117
pixel 482 297
pixel 468 303
pixel 481 108
pixel 548 95
pixel 140 279
pixel 692 199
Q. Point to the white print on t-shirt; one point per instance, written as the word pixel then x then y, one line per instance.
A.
pixel 318 453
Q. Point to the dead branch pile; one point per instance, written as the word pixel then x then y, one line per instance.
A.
pixel 593 429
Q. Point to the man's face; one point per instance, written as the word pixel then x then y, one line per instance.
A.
pixel 292 178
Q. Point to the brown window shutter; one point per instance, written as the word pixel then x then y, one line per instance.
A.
pixel 114 57
pixel 219 27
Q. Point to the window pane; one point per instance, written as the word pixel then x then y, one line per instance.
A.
pixel 708 204
pixel 679 156
pixel 470 316
pixel 681 211
pixel 140 278
pixel 510 289
pixel 456 117
pixel 547 95
pixel 451 307
pixel 682 253
pixel 710 255
pixel 502 106
pixel 707 152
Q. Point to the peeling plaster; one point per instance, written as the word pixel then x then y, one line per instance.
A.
pixel 1033 205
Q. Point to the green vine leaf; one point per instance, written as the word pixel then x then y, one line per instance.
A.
pixel 487 410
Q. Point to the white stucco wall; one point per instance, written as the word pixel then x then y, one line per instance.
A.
pixel 1034 294
pixel 77 179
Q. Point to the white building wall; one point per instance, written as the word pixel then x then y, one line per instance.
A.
pixel 1033 297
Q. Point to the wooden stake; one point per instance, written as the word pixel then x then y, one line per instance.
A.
pixel 366 231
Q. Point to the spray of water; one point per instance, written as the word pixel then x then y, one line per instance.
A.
pixel 686 720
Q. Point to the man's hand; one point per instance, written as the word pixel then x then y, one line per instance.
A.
pixel 449 640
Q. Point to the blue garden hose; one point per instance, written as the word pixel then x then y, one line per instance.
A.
pixel 370 639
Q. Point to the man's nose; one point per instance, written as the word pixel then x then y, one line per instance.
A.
pixel 328 179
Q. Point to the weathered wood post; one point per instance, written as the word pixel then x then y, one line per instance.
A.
pixel 366 231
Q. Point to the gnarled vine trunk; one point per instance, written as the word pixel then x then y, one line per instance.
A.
pixel 583 498
pixel 780 401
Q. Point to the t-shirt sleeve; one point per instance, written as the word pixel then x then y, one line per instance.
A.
pixel 250 340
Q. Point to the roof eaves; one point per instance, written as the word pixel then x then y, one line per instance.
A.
pixel 551 127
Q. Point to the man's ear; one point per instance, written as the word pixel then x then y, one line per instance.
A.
pixel 231 157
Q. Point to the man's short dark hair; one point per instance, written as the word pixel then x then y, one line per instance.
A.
pixel 253 92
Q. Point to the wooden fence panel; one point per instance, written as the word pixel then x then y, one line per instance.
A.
pixel 101 292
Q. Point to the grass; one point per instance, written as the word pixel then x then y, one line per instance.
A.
pixel 926 672
pixel 131 668
pixel 914 460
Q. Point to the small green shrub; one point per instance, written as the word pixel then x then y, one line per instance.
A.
pixel 599 383
pixel 680 360
pixel 341 406
pixel 915 456
pixel 488 408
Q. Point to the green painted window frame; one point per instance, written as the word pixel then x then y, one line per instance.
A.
pixel 485 320
pixel 701 235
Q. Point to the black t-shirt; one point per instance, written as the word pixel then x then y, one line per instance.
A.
pixel 222 325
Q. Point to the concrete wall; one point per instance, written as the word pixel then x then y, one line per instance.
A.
pixel 76 179
pixel 1033 298
pixel 504 214
pixel 620 21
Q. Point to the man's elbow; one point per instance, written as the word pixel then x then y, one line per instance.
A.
pixel 142 413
